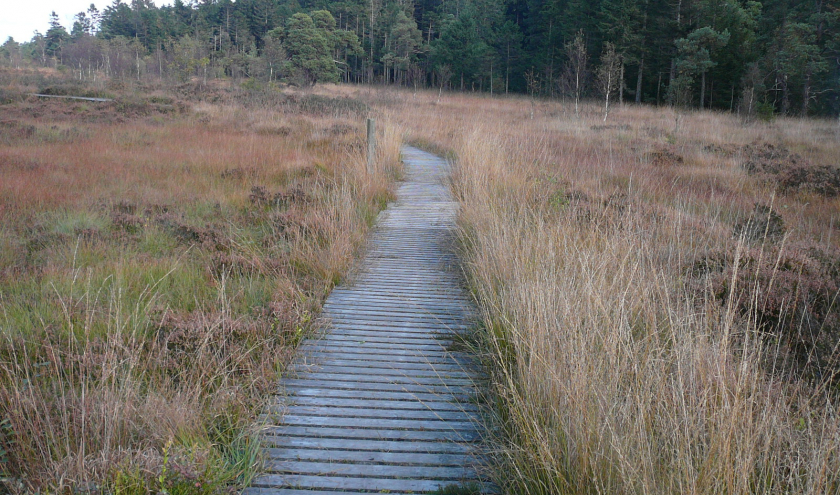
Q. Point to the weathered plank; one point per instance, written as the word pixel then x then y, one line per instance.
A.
pixel 346 483
pixel 329 354
pixel 332 455
pixel 406 424
pixel 293 491
pixel 390 405
pixel 386 347
pixel 365 444
pixel 372 470
pixel 373 433
pixel 382 337
pixel 359 362
pixel 377 387
pixel 392 379
pixel 352 370
pixel 422 398
pixel 370 413
pixel 83 98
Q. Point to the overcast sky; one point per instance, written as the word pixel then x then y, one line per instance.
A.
pixel 20 18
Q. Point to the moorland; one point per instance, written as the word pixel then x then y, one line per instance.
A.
pixel 657 290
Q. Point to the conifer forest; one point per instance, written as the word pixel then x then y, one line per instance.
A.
pixel 759 58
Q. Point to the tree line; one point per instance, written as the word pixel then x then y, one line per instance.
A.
pixel 775 56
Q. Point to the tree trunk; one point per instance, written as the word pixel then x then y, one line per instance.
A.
pixel 639 80
pixel 658 88
pixel 732 99
pixel 806 93
pixel 702 89
pixel 785 96
pixel 507 69
pixel 607 98
pixel 711 93
pixel 621 85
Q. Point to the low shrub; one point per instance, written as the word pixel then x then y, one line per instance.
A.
pixel 789 293
pixel 763 223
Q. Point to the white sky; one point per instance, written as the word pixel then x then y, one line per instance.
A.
pixel 20 18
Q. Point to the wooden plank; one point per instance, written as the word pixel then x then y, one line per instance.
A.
pixel 393 307
pixel 371 350
pixel 401 302
pixel 397 289
pixel 372 433
pixel 363 363
pixel 344 483
pixel 395 304
pixel 435 331
pixel 384 338
pixel 392 319
pixel 415 348
pixel 402 281
pixel 396 293
pixel 375 387
pixel 331 455
pixel 362 423
pixel 349 332
pixel 293 491
pixel 381 371
pixel 369 470
pixel 396 326
pixel 330 354
pixel 83 98
pixel 460 302
pixel 356 412
pixel 384 404
pixel 352 293
pixel 392 379
pixel 396 316
pixel 367 445
pixel 377 394
pixel 402 287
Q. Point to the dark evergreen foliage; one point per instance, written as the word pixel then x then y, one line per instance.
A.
pixel 726 54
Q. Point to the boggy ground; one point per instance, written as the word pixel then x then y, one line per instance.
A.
pixel 659 300
pixel 160 256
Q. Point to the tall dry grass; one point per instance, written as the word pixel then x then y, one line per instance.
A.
pixel 156 272
pixel 618 366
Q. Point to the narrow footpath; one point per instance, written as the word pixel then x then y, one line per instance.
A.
pixel 379 402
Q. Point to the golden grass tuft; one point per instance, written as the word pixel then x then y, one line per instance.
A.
pixel 616 369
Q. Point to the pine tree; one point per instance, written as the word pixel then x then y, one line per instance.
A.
pixel 460 47
pixel 56 37
pixel 695 55
pixel 798 61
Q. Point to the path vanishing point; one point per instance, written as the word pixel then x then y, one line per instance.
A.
pixel 379 402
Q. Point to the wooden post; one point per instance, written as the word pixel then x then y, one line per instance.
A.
pixel 371 142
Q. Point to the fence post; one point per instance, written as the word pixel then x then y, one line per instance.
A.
pixel 371 142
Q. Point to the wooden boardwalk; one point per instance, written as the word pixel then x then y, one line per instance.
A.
pixel 379 403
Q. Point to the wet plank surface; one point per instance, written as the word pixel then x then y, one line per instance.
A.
pixel 379 402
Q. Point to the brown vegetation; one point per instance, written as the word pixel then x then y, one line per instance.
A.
pixel 156 270
pixel 658 317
